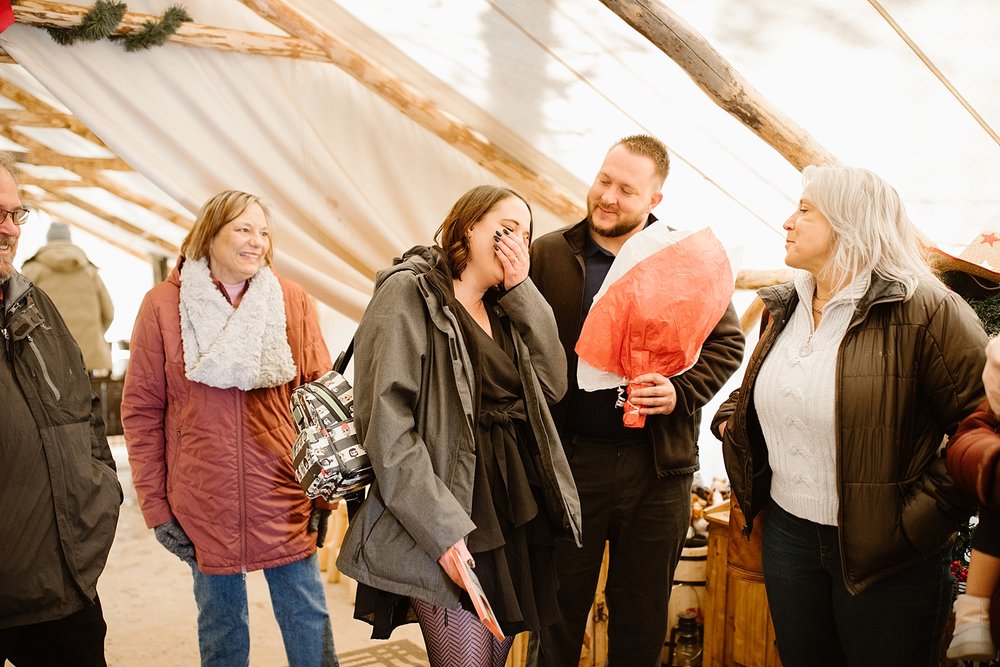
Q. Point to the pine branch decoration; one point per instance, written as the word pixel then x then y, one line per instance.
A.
pixel 101 21
pixel 156 33
pixel 98 23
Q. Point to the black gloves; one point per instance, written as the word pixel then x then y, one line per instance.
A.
pixel 319 520
pixel 176 541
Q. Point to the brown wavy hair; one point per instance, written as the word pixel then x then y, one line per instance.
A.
pixel 221 209
pixel 453 234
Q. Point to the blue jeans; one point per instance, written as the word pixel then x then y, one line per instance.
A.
pixel 299 603
pixel 817 622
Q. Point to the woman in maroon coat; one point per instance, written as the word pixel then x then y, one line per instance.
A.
pixel 216 351
pixel 974 462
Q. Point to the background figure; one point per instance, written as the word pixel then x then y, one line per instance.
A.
pixel 460 359
pixel 866 363
pixel 67 276
pixel 634 484
pixel 216 351
pixel 59 492
pixel 973 458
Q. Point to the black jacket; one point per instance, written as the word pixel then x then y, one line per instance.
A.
pixel 47 366
pixel 557 269
pixel 907 372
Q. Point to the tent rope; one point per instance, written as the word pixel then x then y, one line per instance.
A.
pixel 933 68
pixel 583 79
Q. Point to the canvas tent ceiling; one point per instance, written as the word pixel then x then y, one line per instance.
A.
pixel 354 180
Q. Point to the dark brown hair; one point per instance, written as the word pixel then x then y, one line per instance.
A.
pixel 453 234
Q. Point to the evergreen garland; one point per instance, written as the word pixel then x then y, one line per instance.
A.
pixel 101 21
pixel 156 33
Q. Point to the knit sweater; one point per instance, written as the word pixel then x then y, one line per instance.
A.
pixel 795 395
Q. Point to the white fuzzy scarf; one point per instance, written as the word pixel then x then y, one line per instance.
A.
pixel 224 347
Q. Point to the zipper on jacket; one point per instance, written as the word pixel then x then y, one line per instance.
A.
pixel 41 363
pixel 746 504
pixel 851 586
pixel 240 483
pixel 6 342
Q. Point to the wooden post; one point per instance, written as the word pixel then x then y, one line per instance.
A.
pixel 713 74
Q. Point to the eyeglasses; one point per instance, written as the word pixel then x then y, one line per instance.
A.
pixel 18 215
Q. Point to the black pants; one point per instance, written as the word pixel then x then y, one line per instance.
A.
pixel 77 640
pixel 645 520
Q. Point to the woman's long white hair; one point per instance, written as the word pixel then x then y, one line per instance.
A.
pixel 873 234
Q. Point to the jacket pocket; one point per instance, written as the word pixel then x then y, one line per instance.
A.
pixel 86 496
pixel 925 526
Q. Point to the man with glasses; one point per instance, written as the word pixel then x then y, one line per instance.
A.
pixel 59 492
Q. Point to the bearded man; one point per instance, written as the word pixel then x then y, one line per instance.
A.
pixel 634 484
pixel 59 492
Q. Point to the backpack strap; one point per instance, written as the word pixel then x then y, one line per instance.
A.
pixel 344 358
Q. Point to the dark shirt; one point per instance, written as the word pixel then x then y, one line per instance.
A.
pixel 595 414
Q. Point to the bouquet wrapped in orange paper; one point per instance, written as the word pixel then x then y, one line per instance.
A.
pixel 664 294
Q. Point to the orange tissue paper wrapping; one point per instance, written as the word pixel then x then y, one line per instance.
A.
pixel 664 294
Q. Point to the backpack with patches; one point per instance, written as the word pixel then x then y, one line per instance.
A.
pixel 329 460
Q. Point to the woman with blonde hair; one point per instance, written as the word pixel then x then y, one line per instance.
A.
pixel 866 363
pixel 216 351
pixel 462 360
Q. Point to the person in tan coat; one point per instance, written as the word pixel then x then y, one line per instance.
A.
pixel 216 351
pixel 72 281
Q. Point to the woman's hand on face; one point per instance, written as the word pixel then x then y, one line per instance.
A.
pixel 447 561
pixel 512 250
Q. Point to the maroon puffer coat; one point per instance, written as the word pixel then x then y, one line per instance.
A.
pixel 219 460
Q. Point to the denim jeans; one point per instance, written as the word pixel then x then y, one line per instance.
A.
pixel 817 622
pixel 299 603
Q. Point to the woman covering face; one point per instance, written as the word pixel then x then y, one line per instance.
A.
pixel 461 359
pixel 216 351
pixel 866 363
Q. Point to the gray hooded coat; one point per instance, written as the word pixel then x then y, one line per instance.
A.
pixel 413 406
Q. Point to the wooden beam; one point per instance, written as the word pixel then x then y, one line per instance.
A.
pixel 420 109
pixel 47 158
pixel 43 206
pixel 44 110
pixel 751 317
pixel 713 74
pixel 755 279
pixel 49 184
pixel 63 15
pixel 41 154
pixel 96 179
pixel 167 247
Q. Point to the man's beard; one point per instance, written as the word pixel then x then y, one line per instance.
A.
pixel 7 266
pixel 620 228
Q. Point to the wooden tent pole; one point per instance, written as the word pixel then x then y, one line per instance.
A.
pixel 713 74
pixel 421 110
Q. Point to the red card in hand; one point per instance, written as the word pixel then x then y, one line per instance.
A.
pixel 475 591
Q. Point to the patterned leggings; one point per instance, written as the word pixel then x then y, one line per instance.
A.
pixel 457 638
